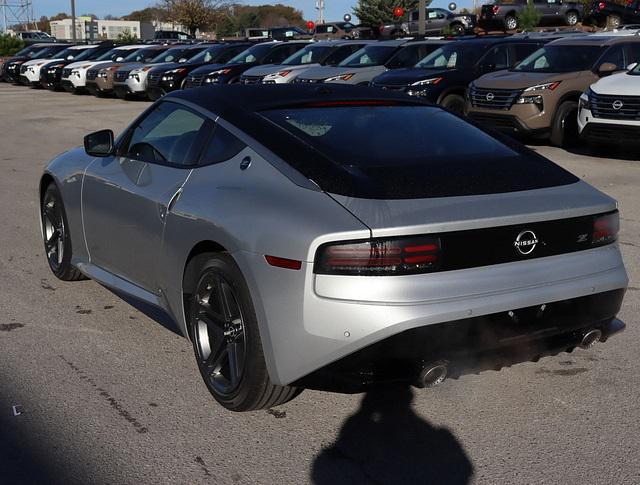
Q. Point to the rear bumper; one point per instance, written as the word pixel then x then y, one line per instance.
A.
pixel 473 345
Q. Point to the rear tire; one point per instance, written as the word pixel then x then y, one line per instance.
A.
pixel 226 340
pixel 55 233
pixel 453 102
pixel 571 18
pixel 564 130
pixel 511 22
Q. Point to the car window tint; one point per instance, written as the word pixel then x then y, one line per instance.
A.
pixel 633 52
pixel 522 51
pixel 341 53
pixel 497 58
pixel 614 55
pixel 411 152
pixel 405 57
pixel 166 135
pixel 222 147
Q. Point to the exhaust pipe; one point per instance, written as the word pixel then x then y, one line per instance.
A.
pixel 431 375
pixel 591 338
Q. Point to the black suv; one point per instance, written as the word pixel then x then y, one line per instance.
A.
pixel 171 77
pixel 504 15
pixel 11 67
pixel 443 76
pixel 265 53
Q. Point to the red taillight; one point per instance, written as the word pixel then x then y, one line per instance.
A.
pixel 283 262
pixel 605 229
pixel 496 9
pixel 377 257
pixel 601 6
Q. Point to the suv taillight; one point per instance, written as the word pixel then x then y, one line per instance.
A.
pixel 605 229
pixel 496 9
pixel 379 257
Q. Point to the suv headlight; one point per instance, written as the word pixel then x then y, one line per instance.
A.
pixel 341 77
pixel 427 82
pixel 543 87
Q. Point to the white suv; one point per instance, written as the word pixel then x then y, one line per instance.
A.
pixel 74 76
pixel 32 68
pixel 609 112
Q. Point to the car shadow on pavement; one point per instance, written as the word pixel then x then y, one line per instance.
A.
pixel 387 442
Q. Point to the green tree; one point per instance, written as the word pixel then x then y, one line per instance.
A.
pixel 529 17
pixel 378 12
pixel 10 45
pixel 149 14
pixel 127 38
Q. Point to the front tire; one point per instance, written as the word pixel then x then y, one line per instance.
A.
pixel 55 232
pixel 226 340
pixel 453 102
pixel 564 130
pixel 457 29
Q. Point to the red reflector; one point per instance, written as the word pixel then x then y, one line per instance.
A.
pixel 333 104
pixel 426 258
pixel 283 262
pixel 421 249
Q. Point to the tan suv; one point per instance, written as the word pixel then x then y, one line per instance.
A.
pixel 540 95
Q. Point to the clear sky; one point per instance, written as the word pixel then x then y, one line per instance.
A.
pixel 334 9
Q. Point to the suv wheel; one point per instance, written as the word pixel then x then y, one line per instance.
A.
pixel 571 18
pixel 564 130
pixel 613 21
pixel 457 29
pixel 226 340
pixel 511 22
pixel 453 102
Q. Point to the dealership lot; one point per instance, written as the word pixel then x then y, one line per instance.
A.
pixel 106 395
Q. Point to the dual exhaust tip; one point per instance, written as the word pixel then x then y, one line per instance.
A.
pixel 436 373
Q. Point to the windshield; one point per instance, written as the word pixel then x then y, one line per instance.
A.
pixel 172 55
pixel 453 56
pixel 391 160
pixel 372 55
pixel 114 55
pixel 87 54
pixel 252 54
pixel 144 55
pixel 308 55
pixel 44 53
pixel 561 58
pixel 24 52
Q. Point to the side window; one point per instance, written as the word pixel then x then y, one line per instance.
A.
pixel 222 147
pixel 277 55
pixel 522 51
pixel 415 16
pixel 614 55
pixel 496 59
pixel 633 52
pixel 167 135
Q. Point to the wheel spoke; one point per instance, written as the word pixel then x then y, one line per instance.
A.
pixel 234 364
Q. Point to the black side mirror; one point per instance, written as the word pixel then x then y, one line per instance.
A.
pixel 99 144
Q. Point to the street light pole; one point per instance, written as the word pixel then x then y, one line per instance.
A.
pixel 73 19
pixel 422 17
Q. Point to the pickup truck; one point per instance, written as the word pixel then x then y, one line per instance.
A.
pixel 438 21
pixel 616 13
pixel 504 15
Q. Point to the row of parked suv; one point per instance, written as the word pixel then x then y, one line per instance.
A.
pixel 546 85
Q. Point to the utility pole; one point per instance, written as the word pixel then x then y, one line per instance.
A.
pixel 73 19
pixel 320 9
pixel 422 17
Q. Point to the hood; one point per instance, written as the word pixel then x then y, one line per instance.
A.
pixel 89 64
pixel 409 75
pixel 622 84
pixel 38 61
pixel 410 216
pixel 207 68
pixel 133 65
pixel 267 69
pixel 521 80
pixel 300 68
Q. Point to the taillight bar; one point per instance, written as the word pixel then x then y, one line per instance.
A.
pixel 377 257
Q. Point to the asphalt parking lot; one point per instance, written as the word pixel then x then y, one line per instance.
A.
pixel 105 395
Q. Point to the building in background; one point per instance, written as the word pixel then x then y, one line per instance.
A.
pixel 93 30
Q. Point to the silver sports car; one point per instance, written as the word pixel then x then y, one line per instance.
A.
pixel 335 237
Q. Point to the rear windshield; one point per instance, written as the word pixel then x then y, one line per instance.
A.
pixel 372 55
pixel 561 58
pixel 402 152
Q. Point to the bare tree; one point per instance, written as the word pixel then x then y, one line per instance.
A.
pixel 194 14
